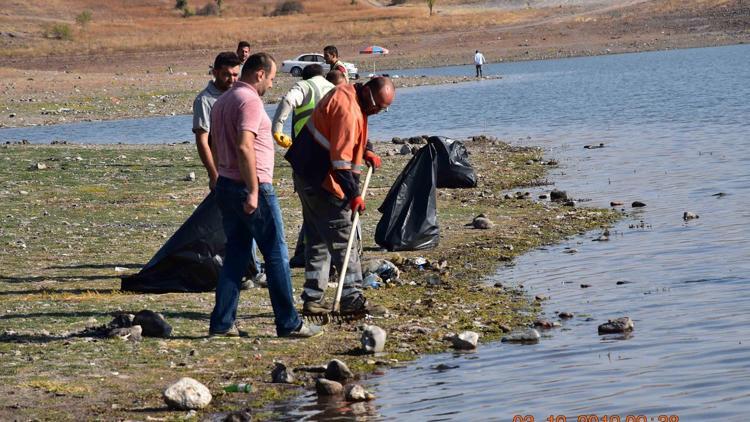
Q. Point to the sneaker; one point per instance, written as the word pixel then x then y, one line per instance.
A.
pixel 360 305
pixel 306 330
pixel 232 332
pixel 314 307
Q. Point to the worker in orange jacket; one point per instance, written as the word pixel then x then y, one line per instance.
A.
pixel 328 158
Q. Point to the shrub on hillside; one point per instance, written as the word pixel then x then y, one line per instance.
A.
pixel 59 31
pixel 210 9
pixel 397 2
pixel 84 18
pixel 181 4
pixel 288 7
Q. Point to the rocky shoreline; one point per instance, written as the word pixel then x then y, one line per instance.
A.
pixel 69 232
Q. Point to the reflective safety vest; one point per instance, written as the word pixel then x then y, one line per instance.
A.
pixel 318 87
pixel 339 126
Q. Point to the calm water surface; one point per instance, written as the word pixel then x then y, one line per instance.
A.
pixel 676 129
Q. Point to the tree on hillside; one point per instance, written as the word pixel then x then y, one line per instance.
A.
pixel 181 4
pixel 430 4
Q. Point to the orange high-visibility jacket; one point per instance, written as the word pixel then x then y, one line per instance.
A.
pixel 339 126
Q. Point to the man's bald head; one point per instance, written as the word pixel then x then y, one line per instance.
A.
pixel 377 95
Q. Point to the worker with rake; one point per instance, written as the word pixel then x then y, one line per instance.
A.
pixel 327 158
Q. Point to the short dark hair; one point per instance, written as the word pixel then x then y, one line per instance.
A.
pixel 257 62
pixel 312 70
pixel 331 49
pixel 243 44
pixel 334 76
pixel 226 58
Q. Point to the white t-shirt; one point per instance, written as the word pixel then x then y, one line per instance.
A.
pixel 479 59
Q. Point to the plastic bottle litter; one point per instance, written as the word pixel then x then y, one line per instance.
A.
pixel 372 281
pixel 238 388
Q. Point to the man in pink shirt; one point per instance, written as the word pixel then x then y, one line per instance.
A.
pixel 244 149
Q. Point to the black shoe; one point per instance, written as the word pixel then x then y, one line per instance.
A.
pixel 297 261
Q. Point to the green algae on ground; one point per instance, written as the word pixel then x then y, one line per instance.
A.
pixel 68 231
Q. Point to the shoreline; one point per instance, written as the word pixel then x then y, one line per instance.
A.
pixel 156 100
pixel 461 300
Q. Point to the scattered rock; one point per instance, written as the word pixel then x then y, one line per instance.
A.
pixel 38 166
pixel 558 195
pixel 615 204
pixel 570 203
pixel 355 392
pixel 617 326
pixel 499 285
pixel 621 282
pixel 543 196
pixel 481 222
pixel 565 315
pixel 444 367
pixel 338 371
pixel 187 394
pixel 398 141
pixel 687 215
pixel 239 416
pixel 405 149
pixel 546 324
pixel 153 324
pixel 719 194
pixel 601 145
pixel 373 339
pixel 434 280
pixel 467 340
pixel 585 286
pixel 190 177
pixel 637 204
pixel 326 387
pixel 280 375
pixel 529 335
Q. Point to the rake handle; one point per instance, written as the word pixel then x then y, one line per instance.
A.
pixel 352 235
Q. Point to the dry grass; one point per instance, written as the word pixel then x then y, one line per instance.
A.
pixel 156 25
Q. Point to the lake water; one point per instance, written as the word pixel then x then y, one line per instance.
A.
pixel 676 129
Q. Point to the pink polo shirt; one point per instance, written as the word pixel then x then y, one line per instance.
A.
pixel 239 109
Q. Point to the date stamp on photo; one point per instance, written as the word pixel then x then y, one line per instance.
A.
pixel 599 418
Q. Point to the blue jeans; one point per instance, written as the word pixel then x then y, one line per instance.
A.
pixel 267 228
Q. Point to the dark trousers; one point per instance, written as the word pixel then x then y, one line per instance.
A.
pixel 267 228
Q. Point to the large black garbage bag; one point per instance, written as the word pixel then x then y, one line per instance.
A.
pixel 191 259
pixel 409 220
pixel 453 168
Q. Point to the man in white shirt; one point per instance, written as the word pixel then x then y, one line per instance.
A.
pixel 478 62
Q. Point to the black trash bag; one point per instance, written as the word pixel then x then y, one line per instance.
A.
pixel 191 259
pixel 453 167
pixel 409 220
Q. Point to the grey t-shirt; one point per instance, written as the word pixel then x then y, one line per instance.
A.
pixel 202 107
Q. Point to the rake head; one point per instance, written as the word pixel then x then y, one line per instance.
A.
pixel 334 317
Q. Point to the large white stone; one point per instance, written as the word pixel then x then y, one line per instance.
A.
pixel 187 394
pixel 373 339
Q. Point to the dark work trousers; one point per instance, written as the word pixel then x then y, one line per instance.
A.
pixel 327 222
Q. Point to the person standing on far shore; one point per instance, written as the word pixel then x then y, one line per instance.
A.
pixel 478 62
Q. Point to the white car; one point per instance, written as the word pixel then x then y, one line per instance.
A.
pixel 295 66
